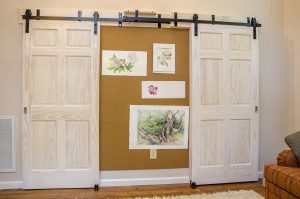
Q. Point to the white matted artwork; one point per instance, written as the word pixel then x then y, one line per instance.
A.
pixel 163 58
pixel 124 63
pixel 158 127
pixel 163 89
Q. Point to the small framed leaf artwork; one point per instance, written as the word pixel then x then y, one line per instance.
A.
pixel 158 127
pixel 124 63
pixel 163 58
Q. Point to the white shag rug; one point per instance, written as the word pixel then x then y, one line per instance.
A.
pixel 242 194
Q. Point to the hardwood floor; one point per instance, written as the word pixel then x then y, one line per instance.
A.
pixel 130 191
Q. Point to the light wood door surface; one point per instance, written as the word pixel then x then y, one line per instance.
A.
pixel 61 105
pixel 224 96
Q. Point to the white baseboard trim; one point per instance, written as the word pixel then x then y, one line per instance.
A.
pixel 131 177
pixel 143 177
pixel 260 174
pixel 11 185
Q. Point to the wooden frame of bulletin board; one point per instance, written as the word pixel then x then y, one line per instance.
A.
pixel 119 92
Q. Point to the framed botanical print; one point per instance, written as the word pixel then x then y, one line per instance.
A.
pixel 163 58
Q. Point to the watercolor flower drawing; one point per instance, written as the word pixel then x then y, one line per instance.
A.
pixel 152 90
pixel 165 57
pixel 122 65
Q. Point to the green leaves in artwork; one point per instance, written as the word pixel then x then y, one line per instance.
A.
pixel 152 123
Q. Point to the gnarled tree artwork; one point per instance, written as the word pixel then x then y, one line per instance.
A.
pixel 160 127
pixel 163 127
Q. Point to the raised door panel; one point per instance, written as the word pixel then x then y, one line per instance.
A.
pixel 240 82
pixel 77 144
pixel 211 41
pixel 44 145
pixel 78 38
pixel 240 42
pixel 45 38
pixel 211 142
pixel 44 71
pixel 78 80
pixel 211 78
pixel 240 141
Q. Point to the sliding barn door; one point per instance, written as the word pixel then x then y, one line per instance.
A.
pixel 60 98
pixel 224 105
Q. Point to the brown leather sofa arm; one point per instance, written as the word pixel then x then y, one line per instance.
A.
pixel 287 159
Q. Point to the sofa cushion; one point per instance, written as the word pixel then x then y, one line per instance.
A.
pixel 287 159
pixel 287 178
pixel 274 192
pixel 293 141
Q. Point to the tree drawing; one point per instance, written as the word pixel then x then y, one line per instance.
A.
pixel 161 127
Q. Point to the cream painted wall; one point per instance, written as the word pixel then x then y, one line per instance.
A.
pixel 292 46
pixel 273 71
pixel 11 75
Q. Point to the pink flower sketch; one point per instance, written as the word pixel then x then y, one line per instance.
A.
pixel 152 90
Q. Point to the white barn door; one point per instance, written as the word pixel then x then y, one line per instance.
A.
pixel 224 105
pixel 60 99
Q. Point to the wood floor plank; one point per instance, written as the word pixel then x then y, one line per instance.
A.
pixel 129 191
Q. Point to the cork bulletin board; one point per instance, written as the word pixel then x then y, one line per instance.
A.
pixel 117 93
